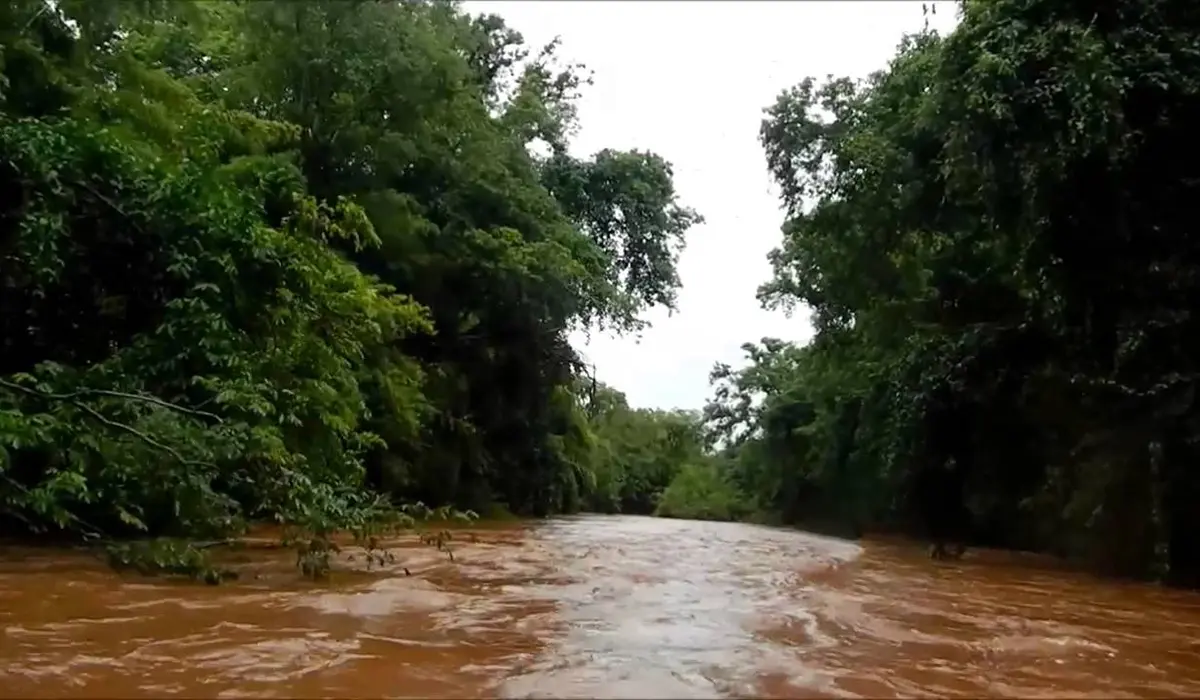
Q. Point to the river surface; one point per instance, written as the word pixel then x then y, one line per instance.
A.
pixel 600 607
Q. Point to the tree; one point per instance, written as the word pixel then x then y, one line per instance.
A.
pixel 983 235
pixel 277 259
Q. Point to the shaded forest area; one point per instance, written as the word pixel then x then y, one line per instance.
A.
pixel 314 261
pixel 296 261
pixel 993 236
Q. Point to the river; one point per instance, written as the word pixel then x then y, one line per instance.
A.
pixel 595 606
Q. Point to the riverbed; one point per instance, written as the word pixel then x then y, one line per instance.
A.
pixel 601 607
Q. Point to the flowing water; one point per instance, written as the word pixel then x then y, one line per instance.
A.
pixel 604 607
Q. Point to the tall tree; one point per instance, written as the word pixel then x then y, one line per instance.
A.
pixel 261 257
pixel 990 237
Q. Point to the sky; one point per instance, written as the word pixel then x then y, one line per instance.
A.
pixel 689 81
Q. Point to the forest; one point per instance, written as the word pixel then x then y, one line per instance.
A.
pixel 298 261
pixel 991 238
pixel 316 261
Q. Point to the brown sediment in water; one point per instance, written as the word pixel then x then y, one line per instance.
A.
pixel 600 607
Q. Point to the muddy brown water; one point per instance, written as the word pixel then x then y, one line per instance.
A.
pixel 601 607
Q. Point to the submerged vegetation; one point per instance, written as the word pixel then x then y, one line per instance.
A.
pixel 316 261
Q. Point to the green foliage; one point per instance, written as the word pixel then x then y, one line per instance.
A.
pixel 167 556
pixel 433 142
pixel 294 261
pixel 625 202
pixel 635 454
pixel 702 492
pixel 989 237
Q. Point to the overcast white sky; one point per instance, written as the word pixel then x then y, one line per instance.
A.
pixel 689 81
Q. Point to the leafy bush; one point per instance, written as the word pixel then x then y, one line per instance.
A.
pixel 702 492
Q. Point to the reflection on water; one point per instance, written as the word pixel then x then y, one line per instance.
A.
pixel 615 607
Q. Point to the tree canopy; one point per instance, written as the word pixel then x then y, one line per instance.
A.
pixel 275 259
pixel 991 237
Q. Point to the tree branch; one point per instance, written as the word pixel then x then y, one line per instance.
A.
pixel 73 399
pixel 82 393
pixel 129 429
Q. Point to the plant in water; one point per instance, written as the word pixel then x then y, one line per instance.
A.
pixel 369 525
pixel 167 556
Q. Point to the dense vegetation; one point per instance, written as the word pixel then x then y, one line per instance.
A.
pixel 315 260
pixel 301 261
pixel 992 236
